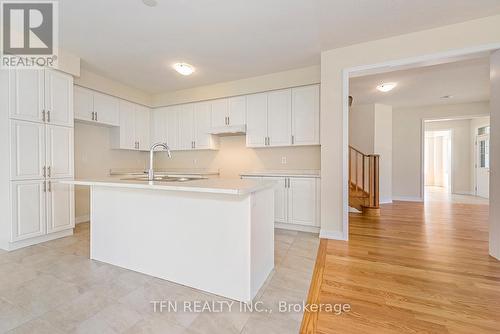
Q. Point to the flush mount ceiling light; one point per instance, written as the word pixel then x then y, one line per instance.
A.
pixel 184 68
pixel 445 97
pixel 150 3
pixel 386 87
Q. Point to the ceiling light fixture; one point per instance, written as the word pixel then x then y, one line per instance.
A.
pixel 447 97
pixel 184 68
pixel 386 87
pixel 150 3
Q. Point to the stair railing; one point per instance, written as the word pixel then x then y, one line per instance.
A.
pixel 364 176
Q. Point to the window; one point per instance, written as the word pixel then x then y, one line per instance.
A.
pixel 484 153
pixel 484 130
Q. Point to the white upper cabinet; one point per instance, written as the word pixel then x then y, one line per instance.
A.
pixel 172 127
pixel 142 122
pixel 59 152
pixel 26 95
pixel 279 110
pixel 60 208
pixel 305 115
pixel 237 110
pixel 106 109
pixel 83 104
pixel 220 112
pixel 27 160
pixel 124 136
pixel 159 125
pixel 59 98
pixel 256 120
pixel 302 201
pixel 44 96
pixel 186 127
pixel 202 122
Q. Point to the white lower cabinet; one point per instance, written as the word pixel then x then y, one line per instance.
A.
pixel 296 200
pixel 41 207
pixel 28 209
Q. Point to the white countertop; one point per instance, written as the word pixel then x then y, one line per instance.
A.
pixel 285 173
pixel 160 171
pixel 214 186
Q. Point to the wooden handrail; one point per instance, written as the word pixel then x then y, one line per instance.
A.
pixel 364 167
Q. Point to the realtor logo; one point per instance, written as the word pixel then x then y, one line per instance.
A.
pixel 29 33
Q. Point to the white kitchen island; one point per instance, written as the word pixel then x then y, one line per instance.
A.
pixel 214 235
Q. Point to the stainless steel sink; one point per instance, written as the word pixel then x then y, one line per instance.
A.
pixel 166 178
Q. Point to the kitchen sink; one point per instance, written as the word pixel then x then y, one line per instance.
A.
pixel 166 178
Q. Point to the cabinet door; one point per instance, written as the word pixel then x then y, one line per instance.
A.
pixel 27 150
pixel 186 118
pixel 220 111
pixel 202 140
pixel 127 138
pixel 256 120
pixel 280 199
pixel 26 94
pixel 237 110
pixel 83 103
pixel 142 127
pixel 107 109
pixel 279 113
pixel 305 115
pixel 60 206
pixel 59 151
pixel 302 201
pixel 159 125
pixel 173 127
pixel 59 98
pixel 28 209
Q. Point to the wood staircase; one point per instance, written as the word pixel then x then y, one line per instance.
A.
pixel 364 182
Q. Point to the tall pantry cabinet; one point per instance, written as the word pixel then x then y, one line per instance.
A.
pixel 36 143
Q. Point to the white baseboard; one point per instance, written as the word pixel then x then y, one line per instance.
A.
pixel 293 227
pixel 353 210
pixel 407 198
pixel 82 219
pixel 333 235
pixel 469 193
pixel 385 201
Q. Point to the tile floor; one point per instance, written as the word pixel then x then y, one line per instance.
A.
pixel 54 288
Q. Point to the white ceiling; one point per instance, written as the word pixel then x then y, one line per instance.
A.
pixel 232 39
pixel 466 81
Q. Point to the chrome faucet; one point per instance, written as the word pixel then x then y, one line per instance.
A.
pixel 151 172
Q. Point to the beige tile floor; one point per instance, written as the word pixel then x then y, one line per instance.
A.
pixel 55 288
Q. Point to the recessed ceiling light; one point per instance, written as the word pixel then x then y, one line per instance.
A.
pixel 184 68
pixel 447 97
pixel 387 86
pixel 150 3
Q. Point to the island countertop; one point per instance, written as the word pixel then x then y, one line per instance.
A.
pixel 214 186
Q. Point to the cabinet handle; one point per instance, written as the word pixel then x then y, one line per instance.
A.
pixel 44 186
pixel 43 115
pixel 48 116
pixel 96 115
pixel 93 116
pixel 228 120
pixel 50 186
pixel 138 144
pixel 44 171
pixel 293 140
pixel 48 171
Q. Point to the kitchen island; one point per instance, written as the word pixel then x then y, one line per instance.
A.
pixel 215 235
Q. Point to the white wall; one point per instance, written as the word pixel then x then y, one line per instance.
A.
pixel 407 144
pixel 361 127
pixel 383 147
pixel 495 157
pixel 334 91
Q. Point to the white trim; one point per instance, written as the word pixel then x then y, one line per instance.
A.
pixel 468 193
pixel 385 200
pixel 388 66
pixel 332 235
pixel 407 198
pixel 82 219
pixel 294 227
pixel 33 241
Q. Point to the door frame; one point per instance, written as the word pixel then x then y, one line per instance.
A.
pixel 450 162
pixel 374 68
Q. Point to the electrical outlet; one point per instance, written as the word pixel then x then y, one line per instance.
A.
pixel 195 161
pixel 283 160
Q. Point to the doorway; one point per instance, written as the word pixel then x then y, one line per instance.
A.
pixel 438 162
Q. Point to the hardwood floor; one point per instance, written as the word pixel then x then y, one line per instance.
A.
pixel 416 269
